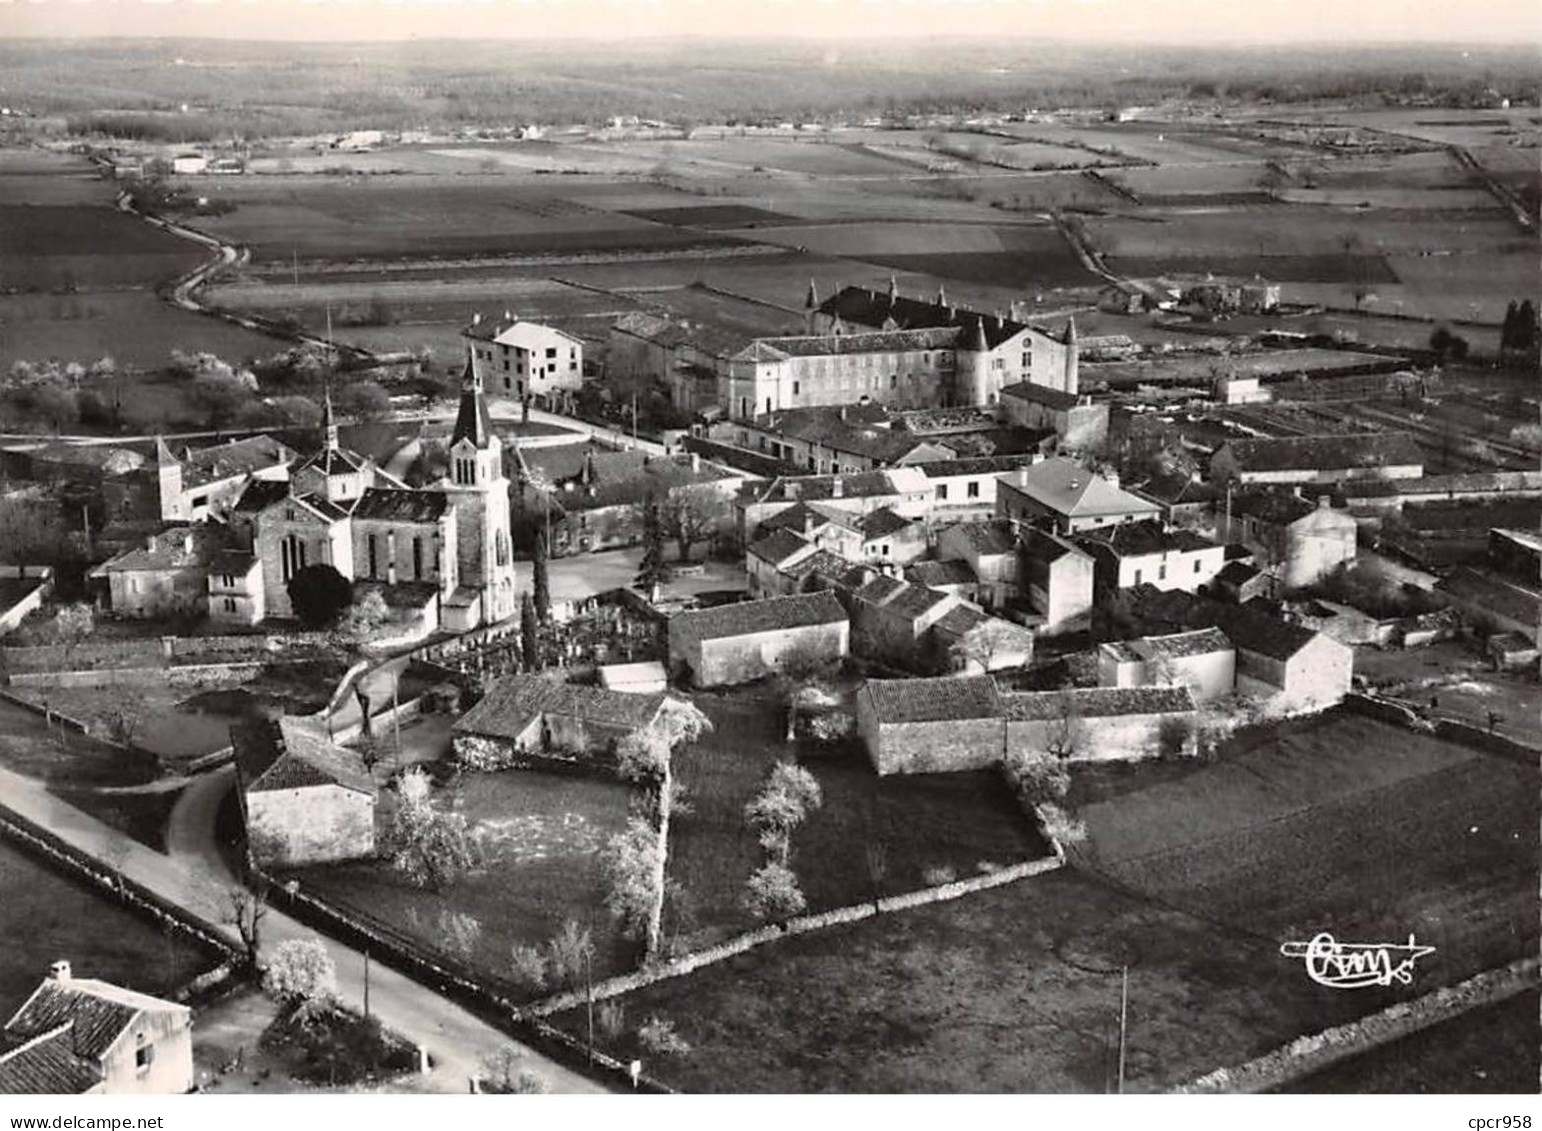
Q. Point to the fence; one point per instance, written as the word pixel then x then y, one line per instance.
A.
pixel 1310 1054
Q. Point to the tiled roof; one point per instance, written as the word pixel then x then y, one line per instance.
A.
pixel 1337 452
pixel 515 701
pixel 97 1013
pixel 1040 394
pixel 994 536
pixel 858 485
pixel 179 547
pixel 226 461
pixel 1146 537
pixel 939 575
pixel 940 699
pixel 46 1065
pixel 1237 573
pixel 323 506
pixel 1043 546
pixel 1178 645
pixel 234 562
pixel 871 439
pixel 821 514
pixel 387 504
pixel 743 459
pixel 915 601
pixel 779 546
pixel 830 345
pixel 1277 508
pixel 1511 601
pixel 984 465
pixel 883 522
pixel 1248 629
pixel 881 589
pixel 960 621
pixel 873 308
pixel 1175 489
pixel 1470 482
pixel 1094 703
pixel 770 615
pixel 1070 489
pixel 943 421
pixel 259 494
pixel 291 753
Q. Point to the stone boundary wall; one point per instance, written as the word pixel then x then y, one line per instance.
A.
pixel 1463 734
pixel 87 655
pixel 400 713
pixel 798 925
pixel 61 854
pixel 45 713
pixel 1309 1054
pixel 182 675
pixel 1386 711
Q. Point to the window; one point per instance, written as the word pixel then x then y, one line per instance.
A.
pixel 1196 565
pixel 230 579
pixel 144 1056
pixel 1137 577
pixel 768 404
pixel 942 491
pixel 885 549
pixel 417 556
pixel 374 570
pixel 200 501
pixel 1027 361
pixel 230 604
pixel 795 388
pixel 1162 572
pixel 551 351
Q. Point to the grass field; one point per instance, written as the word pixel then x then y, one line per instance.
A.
pixel 28 745
pixel 65 919
pixel 542 833
pixel 1341 824
pixel 925 825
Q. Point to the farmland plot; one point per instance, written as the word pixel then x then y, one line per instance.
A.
pixel 86 247
pixel 817 158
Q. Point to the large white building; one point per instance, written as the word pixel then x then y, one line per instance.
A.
pixel 524 359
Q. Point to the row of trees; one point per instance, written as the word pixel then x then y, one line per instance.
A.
pixel 1520 331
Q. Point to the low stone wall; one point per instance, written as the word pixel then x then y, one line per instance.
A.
pixel 45 712
pixel 183 675
pixel 411 709
pixel 89 655
pixel 1487 741
pixel 1310 1054
pixel 1386 711
pixel 798 925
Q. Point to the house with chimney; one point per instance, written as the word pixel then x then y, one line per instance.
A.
pixel 1204 661
pixel 200 483
pixel 521 359
pixel 82 1036
pixel 1062 495
pixel 165 576
pixel 1300 539
pixel 1078 422
pixel 1145 552
pixel 534 720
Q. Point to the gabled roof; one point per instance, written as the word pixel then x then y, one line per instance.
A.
pixel 47 1065
pixel 332 460
pixel 96 1012
pixel 291 753
pixel 864 434
pixel 829 345
pixel 1248 629
pixel 530 335
pixel 1041 394
pixel 796 517
pixel 982 465
pixel 1095 702
pixel 1336 452
pixel 1174 646
pixel 992 536
pixel 859 485
pixel 882 522
pixel 863 307
pixel 1044 546
pixel 773 614
pixel 232 459
pixel 389 504
pixel 915 601
pixel 177 547
pixel 880 590
pixel 516 701
pixel 1129 539
pixel 960 621
pixel 939 575
pixel 780 547
pixel 1074 491
pixel 936 700
pixel 1173 488
pixel 1277 508
pixel 259 495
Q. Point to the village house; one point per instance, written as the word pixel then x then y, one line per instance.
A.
pixel 968 640
pixel 1204 661
pixel 1301 540
pixel 1319 459
pixel 236 594
pixel 891 621
pixel 768 561
pixel 750 640
pixel 202 483
pixel 1080 424
pixel 1064 496
pixel 834 439
pixel 991 550
pixel 524 359
pixel 1185 499
pixel 304 799
pixel 164 577
pixel 533 720
pixel 923 726
pixel 1057 578
pixel 1099 724
pixel 966 488
pixel 1136 553
pixel 81 1036
pixel 686 358
pixel 956 578
pixel 904 490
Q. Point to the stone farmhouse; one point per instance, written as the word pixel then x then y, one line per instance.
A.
pixel 904 490
pixel 305 800
pixel 954 723
pixel 1080 423
pixel 990 548
pixel 164 577
pixel 532 720
pixel 80 1036
pixel 1135 553
pixel 524 359
pixel 966 488
pixel 1301 540
pixel 1204 661
pixel 200 484
pixel 1064 496
pixel 1319 459
pixel 750 640
pixel 1057 578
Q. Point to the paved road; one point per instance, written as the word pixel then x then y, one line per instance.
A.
pixel 193 876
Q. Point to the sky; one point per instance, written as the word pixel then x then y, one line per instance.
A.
pixel 1123 21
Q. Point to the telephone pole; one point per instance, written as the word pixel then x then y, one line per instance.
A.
pixel 1124 1009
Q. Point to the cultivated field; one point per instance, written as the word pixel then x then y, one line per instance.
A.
pixel 1193 877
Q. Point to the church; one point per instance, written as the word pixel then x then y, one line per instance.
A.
pixel 442 556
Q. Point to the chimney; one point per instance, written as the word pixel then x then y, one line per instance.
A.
pixel 808 524
pixel 843 412
pixel 476 319
pixel 59 971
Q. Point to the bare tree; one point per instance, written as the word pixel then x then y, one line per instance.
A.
pixel 245 909
pixel 994 640
pixel 691 514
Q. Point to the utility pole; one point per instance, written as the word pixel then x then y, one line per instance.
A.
pixel 396 718
pixel 1124 1009
pixel 366 983
pixel 634 419
pixel 589 983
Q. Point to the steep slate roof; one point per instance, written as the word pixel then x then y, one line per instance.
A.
pixel 46 1065
pixel 1326 453
pixel 1094 702
pixel 935 700
pixel 770 615
pixel 515 701
pixel 389 504
pixel 290 753
pixel 1041 394
pixel 1074 491
pixel 1147 537
pixel 96 1013
pixel 873 308
pixel 937 575
pixel 472 420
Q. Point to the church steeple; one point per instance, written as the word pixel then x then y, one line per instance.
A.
pixel 328 422
pixel 473 422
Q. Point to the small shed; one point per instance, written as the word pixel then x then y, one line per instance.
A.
pixel 645 678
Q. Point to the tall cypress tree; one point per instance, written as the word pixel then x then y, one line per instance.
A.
pixel 528 643
pixel 651 572
pixel 541 583
pixel 1526 327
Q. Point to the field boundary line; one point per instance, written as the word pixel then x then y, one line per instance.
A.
pixel 1310 1054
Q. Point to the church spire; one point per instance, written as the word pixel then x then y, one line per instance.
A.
pixel 329 422
pixel 473 422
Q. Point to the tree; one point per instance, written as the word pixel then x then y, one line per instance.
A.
pixel 34 532
pixel 219 397
pixel 529 633
pixel 244 909
pixel 429 845
pixel 659 1037
pixel 652 572
pixel 773 893
pixel 505 1074
pixel 365 401
pixel 528 966
pixel 572 951
pixel 1038 776
pixel 633 861
pixel 460 931
pixel 540 581
pixel 691 514
pixel 1527 329
pixel 1444 344
pixel 362 621
pixel 1507 331
pixel 124 711
pixel 71 626
pixel 319 595
pixel 992 641
pixel 300 973
pixel 790 794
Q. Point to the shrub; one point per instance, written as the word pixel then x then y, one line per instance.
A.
pixel 773 893
pixel 612 1017
pixel 300 972
pixel 527 966
pixel 935 875
pixel 1061 826
pixel 658 1036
